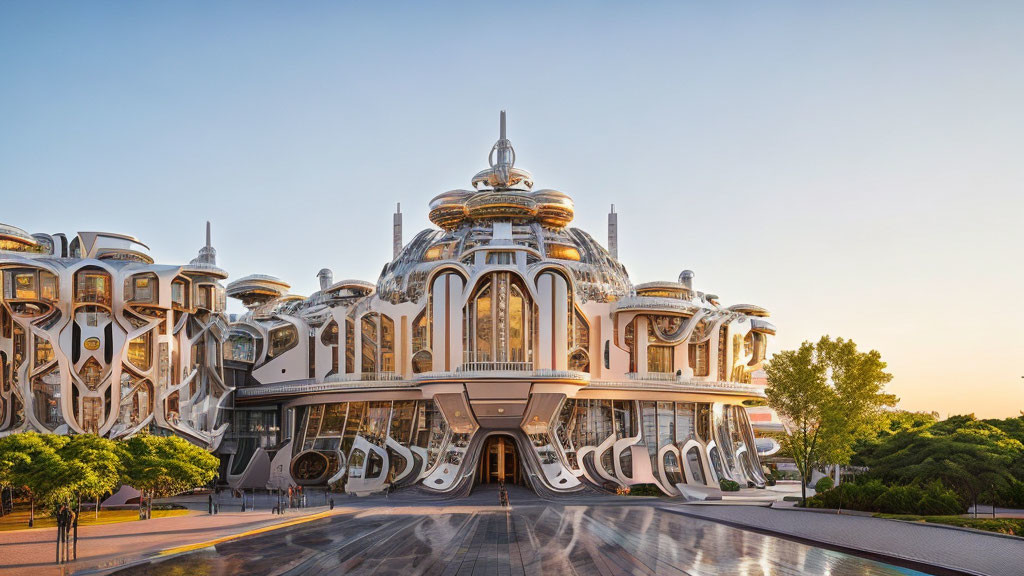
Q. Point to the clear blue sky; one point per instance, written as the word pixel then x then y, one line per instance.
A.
pixel 856 168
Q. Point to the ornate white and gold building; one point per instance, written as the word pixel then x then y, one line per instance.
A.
pixel 502 346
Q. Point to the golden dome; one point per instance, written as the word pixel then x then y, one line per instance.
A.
pixel 554 209
pixel 501 204
pixel 448 210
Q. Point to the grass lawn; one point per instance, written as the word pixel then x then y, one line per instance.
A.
pixel 18 520
pixel 1011 526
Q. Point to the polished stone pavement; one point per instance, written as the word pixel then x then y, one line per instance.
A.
pixel 622 536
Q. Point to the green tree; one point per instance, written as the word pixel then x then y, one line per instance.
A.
pixel 970 456
pixel 160 466
pixel 32 462
pixel 828 394
pixel 98 461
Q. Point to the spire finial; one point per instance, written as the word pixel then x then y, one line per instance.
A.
pixel 506 156
pixel 207 233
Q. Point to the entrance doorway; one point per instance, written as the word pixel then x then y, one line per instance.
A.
pixel 499 462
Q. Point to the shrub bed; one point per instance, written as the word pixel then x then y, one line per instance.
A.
pixel 1011 526
pixel 729 485
pixel 873 496
pixel 644 490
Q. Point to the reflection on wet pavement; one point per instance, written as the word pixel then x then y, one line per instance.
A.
pixel 533 538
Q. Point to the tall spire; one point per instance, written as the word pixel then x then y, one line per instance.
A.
pixel 396 232
pixel 207 258
pixel 613 233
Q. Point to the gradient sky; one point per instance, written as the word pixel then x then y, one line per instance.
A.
pixel 855 168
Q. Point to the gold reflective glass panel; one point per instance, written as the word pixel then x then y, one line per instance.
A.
pixel 659 359
pixel 44 352
pixel 140 350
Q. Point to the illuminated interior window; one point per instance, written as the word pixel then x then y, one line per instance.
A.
pixel 282 339
pixel 48 286
pixel 92 287
pixel 499 321
pixel 350 346
pixel 659 359
pixel 140 351
pixel 369 343
pixel 44 352
pixel 25 286
pixel 699 360
pixel 90 373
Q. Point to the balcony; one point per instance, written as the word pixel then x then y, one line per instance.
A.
pixel 495 367
pixel 655 376
pixel 673 385
pixel 365 377
pixel 503 371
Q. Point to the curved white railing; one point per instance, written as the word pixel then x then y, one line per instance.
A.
pixel 682 386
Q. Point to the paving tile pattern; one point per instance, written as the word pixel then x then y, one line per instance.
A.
pixel 534 537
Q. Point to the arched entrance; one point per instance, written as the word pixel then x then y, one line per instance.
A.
pixel 499 461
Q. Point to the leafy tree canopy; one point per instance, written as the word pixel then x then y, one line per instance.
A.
pixel 828 394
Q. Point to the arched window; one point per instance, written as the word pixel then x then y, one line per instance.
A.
pixel 694 462
pixel 499 321
pixel 350 346
pixel 672 470
pixel 355 463
pixel 92 286
pixel 378 343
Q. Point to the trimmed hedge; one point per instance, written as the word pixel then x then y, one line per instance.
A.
pixel 1011 526
pixel 931 499
pixel 729 485
pixel 823 485
pixel 644 490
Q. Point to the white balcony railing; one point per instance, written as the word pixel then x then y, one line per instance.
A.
pixel 364 377
pixel 327 386
pixel 683 386
pixel 495 367
pixel 656 376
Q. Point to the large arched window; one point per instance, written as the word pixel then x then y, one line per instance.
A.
pixel 499 322
pixel 378 343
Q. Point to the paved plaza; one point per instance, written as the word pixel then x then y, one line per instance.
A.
pixel 535 537
pixel 597 535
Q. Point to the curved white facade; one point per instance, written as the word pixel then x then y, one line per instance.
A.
pixel 503 345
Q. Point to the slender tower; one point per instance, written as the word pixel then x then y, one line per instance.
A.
pixel 207 255
pixel 613 233
pixel 396 237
